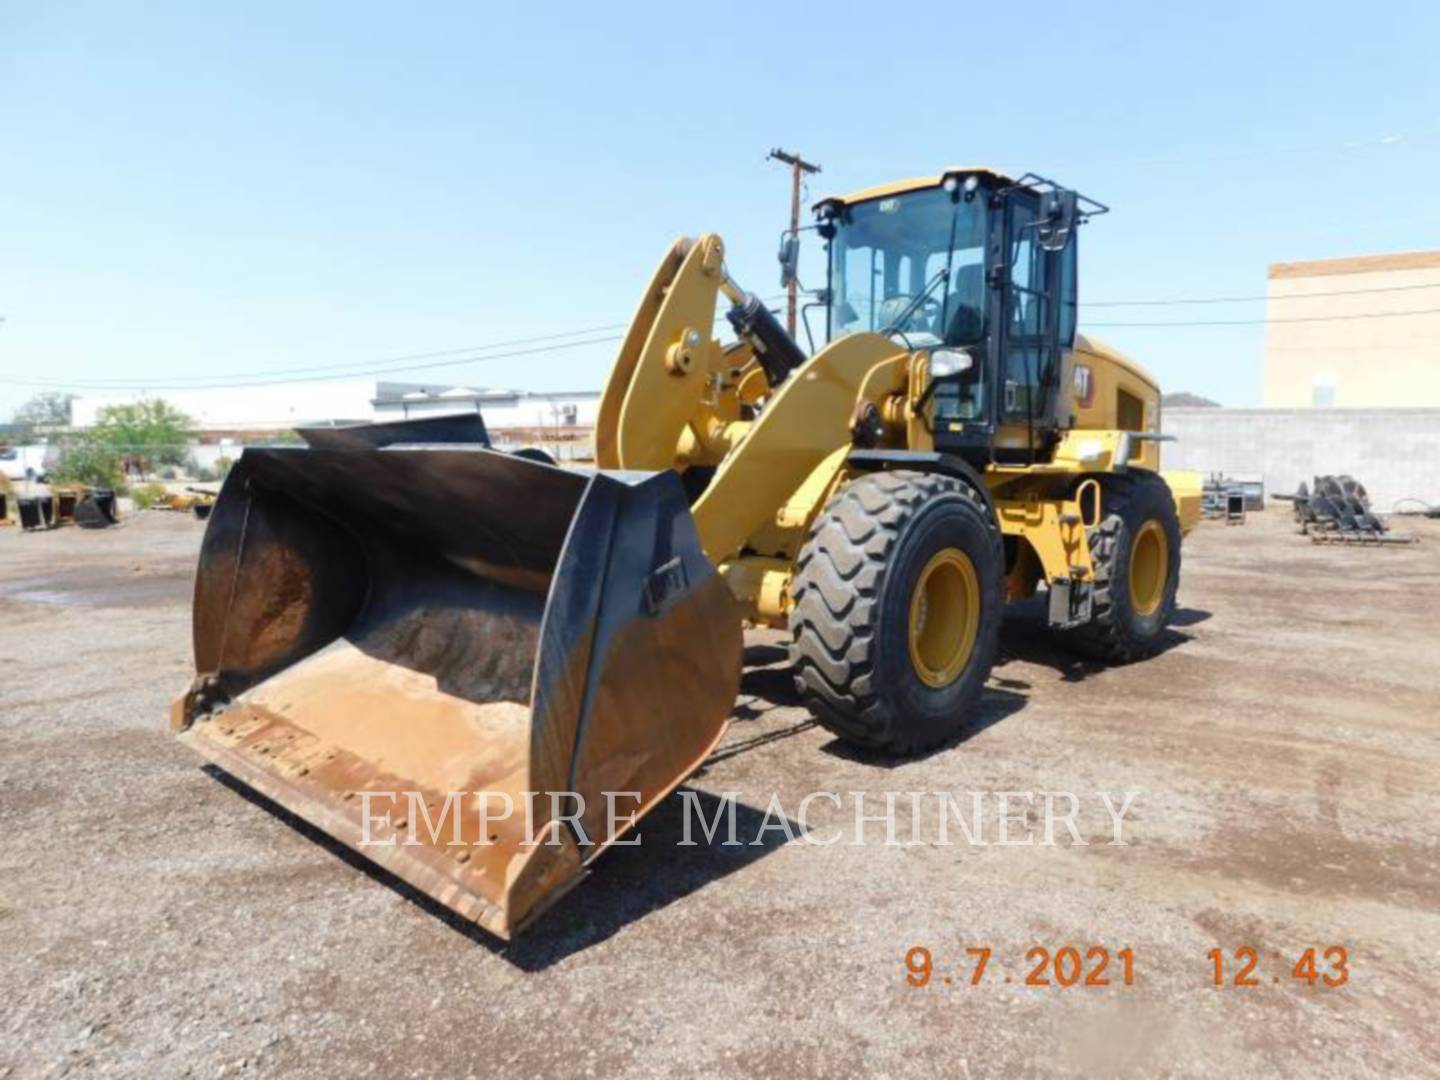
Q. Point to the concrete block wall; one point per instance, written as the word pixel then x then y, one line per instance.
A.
pixel 1395 453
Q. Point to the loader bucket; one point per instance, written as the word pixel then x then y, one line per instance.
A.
pixel 66 499
pixel 36 512
pixel 392 641
pixel 97 509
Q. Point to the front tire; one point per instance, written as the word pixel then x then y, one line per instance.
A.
pixel 897 610
pixel 1135 551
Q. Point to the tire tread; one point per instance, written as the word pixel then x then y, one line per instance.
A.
pixel 1106 636
pixel 836 594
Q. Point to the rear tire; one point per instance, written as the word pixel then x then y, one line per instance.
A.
pixel 897 609
pixel 1134 598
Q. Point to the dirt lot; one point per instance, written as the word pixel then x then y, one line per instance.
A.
pixel 153 921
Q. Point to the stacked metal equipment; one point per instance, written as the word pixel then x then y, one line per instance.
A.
pixel 1336 510
pixel 1226 499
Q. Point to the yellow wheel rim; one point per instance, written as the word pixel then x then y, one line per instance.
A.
pixel 1149 567
pixel 944 617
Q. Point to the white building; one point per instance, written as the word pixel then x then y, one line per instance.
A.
pixel 268 407
pixel 1357 332
pixel 282 406
pixel 503 410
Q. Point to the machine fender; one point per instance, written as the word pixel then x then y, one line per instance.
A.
pixel 802 424
pixel 922 461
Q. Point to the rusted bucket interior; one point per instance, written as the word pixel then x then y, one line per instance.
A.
pixel 410 633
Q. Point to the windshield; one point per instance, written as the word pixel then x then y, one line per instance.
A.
pixel 887 253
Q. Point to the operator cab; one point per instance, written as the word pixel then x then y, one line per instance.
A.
pixel 980 271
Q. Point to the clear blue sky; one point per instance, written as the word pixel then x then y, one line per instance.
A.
pixel 190 190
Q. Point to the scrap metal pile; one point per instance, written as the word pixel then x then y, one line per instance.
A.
pixel 1336 510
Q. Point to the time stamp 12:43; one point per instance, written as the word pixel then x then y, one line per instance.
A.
pixel 1096 965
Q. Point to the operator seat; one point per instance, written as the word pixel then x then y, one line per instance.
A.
pixel 965 323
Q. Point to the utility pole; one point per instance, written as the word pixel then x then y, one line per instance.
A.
pixel 798 167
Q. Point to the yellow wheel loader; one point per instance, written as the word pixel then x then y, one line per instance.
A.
pixel 480 669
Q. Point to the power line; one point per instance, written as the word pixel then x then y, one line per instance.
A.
pixel 1272 322
pixel 351 365
pixel 1178 302
pixel 474 353
pixel 180 382
pixel 220 382
pixel 161 385
pixel 422 355
pixel 554 343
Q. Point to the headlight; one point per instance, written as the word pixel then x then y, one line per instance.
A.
pixel 945 362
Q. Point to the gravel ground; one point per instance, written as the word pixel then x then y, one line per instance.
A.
pixel 155 921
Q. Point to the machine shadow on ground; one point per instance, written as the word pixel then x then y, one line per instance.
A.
pixel 628 884
pixel 768 683
pixel 1025 636
pixel 996 704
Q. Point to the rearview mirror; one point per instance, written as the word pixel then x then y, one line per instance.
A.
pixel 789 258
pixel 1057 218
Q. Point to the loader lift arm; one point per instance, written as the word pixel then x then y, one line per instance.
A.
pixel 651 413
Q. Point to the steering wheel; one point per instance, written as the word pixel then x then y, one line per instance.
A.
pixel 922 318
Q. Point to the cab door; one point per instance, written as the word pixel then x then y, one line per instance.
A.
pixel 1036 326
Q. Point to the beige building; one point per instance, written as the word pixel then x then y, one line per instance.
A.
pixel 1358 332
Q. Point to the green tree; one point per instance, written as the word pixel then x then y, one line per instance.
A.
pixel 88 462
pixel 50 409
pixel 148 433
pixel 125 438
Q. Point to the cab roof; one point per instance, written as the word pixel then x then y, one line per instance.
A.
pixel 915 183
